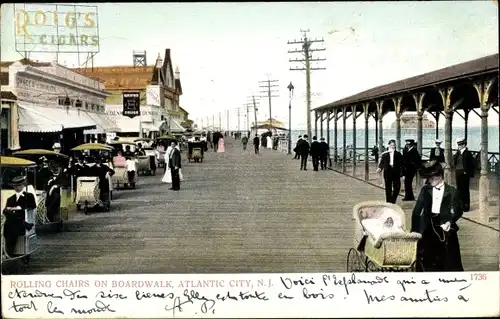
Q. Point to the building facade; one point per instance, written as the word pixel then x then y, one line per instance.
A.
pixel 50 103
pixel 158 98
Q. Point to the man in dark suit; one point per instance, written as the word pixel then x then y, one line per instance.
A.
pixel 297 155
pixel 315 153
pixel 174 163
pixel 303 150
pixel 14 211
pixel 464 166
pixel 325 149
pixel 411 164
pixel 53 199
pixel 391 162
pixel 435 216
pixel 256 143
pixel 437 153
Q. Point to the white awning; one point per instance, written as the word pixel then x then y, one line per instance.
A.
pixel 34 118
pixel 176 127
pixel 150 127
pixel 104 124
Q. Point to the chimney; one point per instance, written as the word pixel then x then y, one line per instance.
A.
pixel 177 75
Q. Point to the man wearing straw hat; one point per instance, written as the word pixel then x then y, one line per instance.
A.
pixel 14 211
pixel 435 216
pixel 463 163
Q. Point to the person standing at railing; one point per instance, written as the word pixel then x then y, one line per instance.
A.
pixel 437 153
pixel 325 149
pixel 463 163
pixel 411 164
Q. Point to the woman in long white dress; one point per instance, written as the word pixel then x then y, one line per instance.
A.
pixel 269 142
pixel 167 178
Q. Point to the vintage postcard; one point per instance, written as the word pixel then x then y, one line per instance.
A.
pixel 250 160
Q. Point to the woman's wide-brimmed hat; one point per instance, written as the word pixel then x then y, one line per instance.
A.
pixel 431 168
pixel 18 181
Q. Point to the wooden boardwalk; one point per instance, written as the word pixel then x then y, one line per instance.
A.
pixel 236 212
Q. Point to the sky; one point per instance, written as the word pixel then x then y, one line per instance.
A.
pixel 223 50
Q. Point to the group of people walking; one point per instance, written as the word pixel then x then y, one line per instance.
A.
pixel 396 165
pixel 317 150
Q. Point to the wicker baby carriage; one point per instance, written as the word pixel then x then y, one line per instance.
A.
pixel 391 251
pixel 88 194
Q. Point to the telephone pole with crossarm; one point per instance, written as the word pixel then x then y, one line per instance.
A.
pixel 306 52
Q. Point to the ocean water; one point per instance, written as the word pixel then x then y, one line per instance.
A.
pixel 428 137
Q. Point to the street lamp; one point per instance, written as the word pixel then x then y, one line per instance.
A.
pixel 290 96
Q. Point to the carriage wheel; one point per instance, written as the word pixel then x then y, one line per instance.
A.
pixel 59 226
pixel 354 262
pixel 417 266
pixel 26 260
pixel 370 266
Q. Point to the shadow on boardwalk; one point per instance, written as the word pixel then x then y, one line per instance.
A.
pixel 236 212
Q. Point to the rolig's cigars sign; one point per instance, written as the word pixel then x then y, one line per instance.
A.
pixel 131 104
pixel 56 28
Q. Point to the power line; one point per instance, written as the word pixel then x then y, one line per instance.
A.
pixel 306 52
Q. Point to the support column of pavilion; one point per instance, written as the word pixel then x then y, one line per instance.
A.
pixel 328 133
pixel 344 139
pixel 448 115
pixel 335 137
pixel 483 89
pixel 380 117
pixel 398 113
pixel 321 125
pixel 419 98
pixel 315 124
pixel 367 157
pixel 355 115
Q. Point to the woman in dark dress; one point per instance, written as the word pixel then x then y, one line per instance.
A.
pixel 435 216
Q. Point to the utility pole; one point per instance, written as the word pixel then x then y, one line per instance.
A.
pixel 306 52
pixel 252 104
pixel 202 123
pixel 228 120
pixel 267 85
pixel 255 113
pixel 220 122
pixel 238 120
pixel 213 120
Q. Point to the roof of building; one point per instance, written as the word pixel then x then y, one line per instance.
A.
pixel 478 66
pixel 7 95
pixel 121 77
pixel 178 86
pixel 25 62
pixel 167 64
pixel 183 110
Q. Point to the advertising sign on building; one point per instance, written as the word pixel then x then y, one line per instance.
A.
pixel 153 95
pixel 56 28
pixel 131 104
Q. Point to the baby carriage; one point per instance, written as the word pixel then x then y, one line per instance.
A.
pixel 386 248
